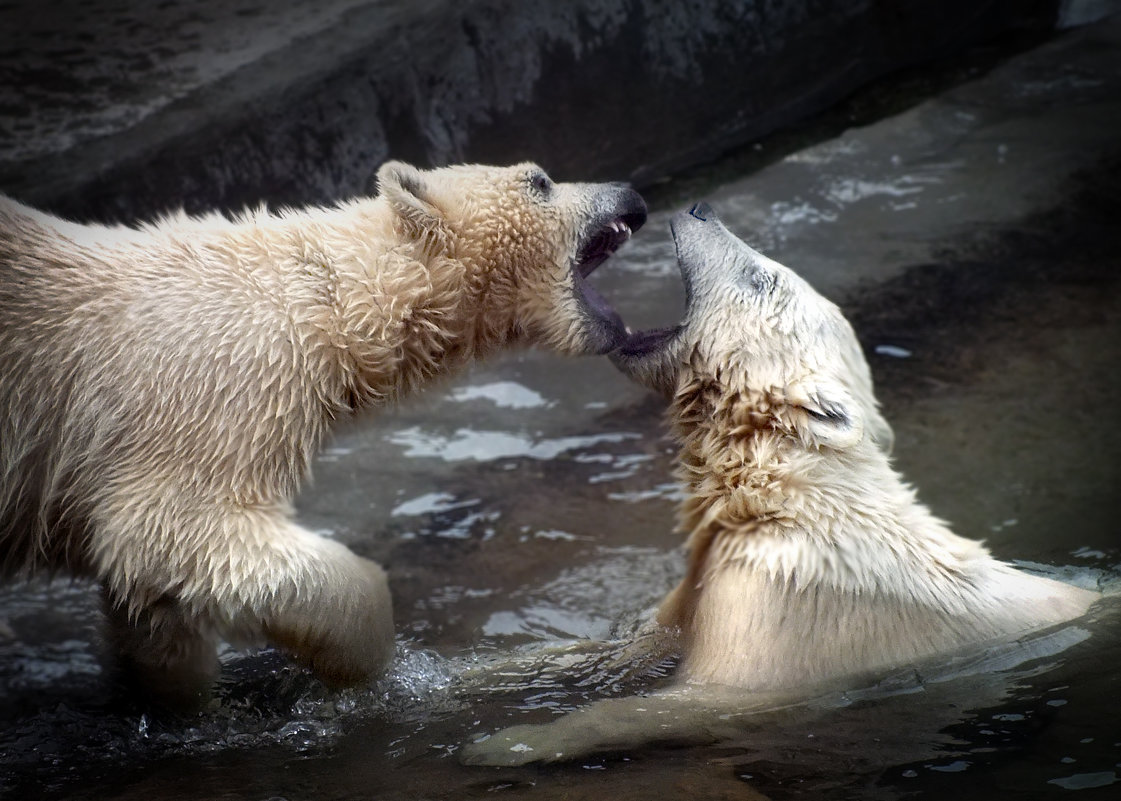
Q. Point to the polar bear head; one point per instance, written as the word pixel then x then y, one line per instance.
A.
pixel 528 245
pixel 755 328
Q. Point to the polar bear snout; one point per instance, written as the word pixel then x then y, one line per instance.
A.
pixel 707 252
pixel 701 211
pixel 616 212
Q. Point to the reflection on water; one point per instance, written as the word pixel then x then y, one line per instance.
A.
pixel 504 394
pixel 470 445
pixel 590 602
pixel 430 503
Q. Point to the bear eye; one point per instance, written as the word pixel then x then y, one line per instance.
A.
pixel 764 282
pixel 540 184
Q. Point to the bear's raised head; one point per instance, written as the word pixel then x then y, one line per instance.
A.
pixel 528 245
pixel 757 336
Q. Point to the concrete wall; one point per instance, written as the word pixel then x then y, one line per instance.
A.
pixel 622 89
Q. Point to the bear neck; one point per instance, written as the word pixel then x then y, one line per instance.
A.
pixel 733 456
pixel 748 474
pixel 390 317
pixel 761 505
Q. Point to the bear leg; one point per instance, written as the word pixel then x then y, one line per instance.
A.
pixel 163 653
pixel 338 620
pixel 245 574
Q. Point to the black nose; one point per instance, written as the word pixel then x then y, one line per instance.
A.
pixel 702 211
pixel 632 209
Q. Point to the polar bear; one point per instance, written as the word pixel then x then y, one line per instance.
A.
pixel 809 557
pixel 163 389
pixel 810 562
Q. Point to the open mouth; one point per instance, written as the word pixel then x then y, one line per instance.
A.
pixel 606 241
pixel 598 247
pixel 637 344
pixel 642 343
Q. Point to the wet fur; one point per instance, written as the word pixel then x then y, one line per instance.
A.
pixel 810 559
pixel 810 563
pixel 164 388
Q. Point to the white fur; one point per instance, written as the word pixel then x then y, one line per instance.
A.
pixel 810 558
pixel 163 389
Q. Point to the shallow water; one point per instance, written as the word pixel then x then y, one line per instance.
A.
pixel 524 511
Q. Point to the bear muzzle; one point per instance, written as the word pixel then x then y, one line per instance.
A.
pixel 619 211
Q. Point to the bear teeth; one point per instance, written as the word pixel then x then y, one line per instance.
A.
pixel 609 239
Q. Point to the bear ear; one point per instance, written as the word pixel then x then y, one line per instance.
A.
pixel 404 187
pixel 830 417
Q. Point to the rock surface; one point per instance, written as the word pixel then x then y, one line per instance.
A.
pixel 110 110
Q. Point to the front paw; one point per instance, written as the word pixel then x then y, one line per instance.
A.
pixel 356 646
pixel 344 632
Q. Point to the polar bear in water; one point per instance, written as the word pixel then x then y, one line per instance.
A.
pixel 811 563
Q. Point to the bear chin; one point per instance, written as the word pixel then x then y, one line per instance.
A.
pixel 603 327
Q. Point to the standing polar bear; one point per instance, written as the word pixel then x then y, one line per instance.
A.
pixel 163 389
pixel 810 561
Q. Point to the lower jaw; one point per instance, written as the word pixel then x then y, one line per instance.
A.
pixel 603 342
pixel 603 327
pixel 589 337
